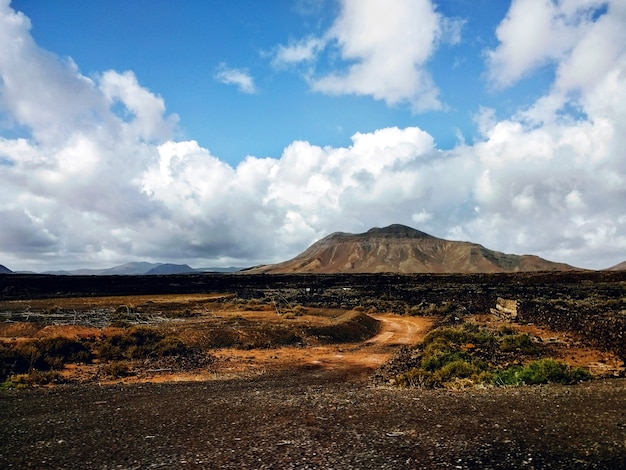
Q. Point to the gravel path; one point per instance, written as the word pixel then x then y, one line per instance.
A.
pixel 313 419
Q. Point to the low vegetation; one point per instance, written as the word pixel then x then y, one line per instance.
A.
pixel 128 345
pixel 457 357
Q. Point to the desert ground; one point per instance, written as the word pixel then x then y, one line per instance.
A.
pixel 268 379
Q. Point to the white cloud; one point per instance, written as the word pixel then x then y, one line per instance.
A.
pixel 305 50
pixel 238 77
pixel 537 32
pixel 100 180
pixel 386 46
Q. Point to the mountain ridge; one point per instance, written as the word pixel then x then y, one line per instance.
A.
pixel 401 249
pixel 140 268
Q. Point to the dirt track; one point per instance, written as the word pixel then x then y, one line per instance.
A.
pixel 356 360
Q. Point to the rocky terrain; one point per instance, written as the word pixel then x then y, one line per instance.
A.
pixel 292 375
pixel 401 249
pixel 313 420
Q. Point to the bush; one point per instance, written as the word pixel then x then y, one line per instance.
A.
pixel 33 377
pixel 55 352
pixel 459 369
pixel 170 346
pixel 433 362
pixel 116 369
pixel 469 333
pixel 140 343
pixel 541 371
pixel 13 360
pixel 521 343
pixel 42 355
pixel 415 377
pixel 454 357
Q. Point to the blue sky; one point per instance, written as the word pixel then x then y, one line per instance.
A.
pixel 219 133
pixel 176 50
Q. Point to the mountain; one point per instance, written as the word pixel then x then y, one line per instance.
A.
pixel 130 269
pixel 618 267
pixel 168 268
pixel 5 270
pixel 401 249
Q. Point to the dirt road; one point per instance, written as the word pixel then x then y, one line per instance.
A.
pixel 397 330
pixel 355 360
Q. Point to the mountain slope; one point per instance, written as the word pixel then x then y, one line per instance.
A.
pixel 618 267
pixel 5 270
pixel 401 249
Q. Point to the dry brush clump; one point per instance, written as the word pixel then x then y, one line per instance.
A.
pixel 34 359
pixel 139 342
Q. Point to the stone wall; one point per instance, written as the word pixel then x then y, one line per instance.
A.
pixel 603 329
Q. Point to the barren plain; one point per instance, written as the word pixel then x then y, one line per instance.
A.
pixel 285 372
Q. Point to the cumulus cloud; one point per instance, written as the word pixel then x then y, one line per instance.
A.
pixel 100 180
pixel 537 32
pixel 238 77
pixel 385 47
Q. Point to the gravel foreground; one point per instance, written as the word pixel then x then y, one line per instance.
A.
pixel 313 419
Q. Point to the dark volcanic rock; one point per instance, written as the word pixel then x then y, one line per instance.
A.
pixel 590 304
pixel 313 420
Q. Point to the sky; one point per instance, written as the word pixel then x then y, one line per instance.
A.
pixel 237 133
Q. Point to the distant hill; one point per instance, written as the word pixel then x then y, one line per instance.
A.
pixel 618 267
pixel 401 249
pixel 129 269
pixel 140 268
pixel 168 268
pixel 5 270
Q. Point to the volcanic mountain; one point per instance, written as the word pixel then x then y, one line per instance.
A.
pixel 401 249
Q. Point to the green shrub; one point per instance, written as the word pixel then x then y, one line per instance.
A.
pixel 33 377
pixel 459 369
pixel 541 371
pixel 521 343
pixel 469 333
pixel 440 359
pixel 454 357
